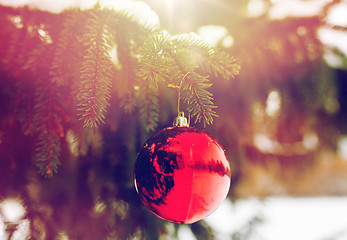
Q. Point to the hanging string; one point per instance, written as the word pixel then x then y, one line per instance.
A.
pixel 179 93
pixel 188 115
pixel 180 120
pixel 178 98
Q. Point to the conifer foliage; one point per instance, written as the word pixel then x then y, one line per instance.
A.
pixel 68 66
pixel 96 72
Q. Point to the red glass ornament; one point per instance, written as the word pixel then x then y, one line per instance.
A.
pixel 182 174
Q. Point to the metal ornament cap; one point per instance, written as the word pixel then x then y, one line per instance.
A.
pixel 181 121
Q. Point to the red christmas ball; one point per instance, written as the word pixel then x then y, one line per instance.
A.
pixel 182 174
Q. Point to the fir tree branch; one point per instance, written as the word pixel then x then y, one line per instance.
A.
pixel 68 54
pixel 199 100
pixel 38 58
pixel 212 60
pixel 152 69
pixel 153 65
pixel 47 153
pixel 163 61
pixel 194 93
pixel 149 106
pixel 36 111
pixel 49 128
pixel 31 112
pixel 96 72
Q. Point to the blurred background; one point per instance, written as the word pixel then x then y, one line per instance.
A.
pixel 282 122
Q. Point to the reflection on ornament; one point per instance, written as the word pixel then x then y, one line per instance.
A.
pixel 182 174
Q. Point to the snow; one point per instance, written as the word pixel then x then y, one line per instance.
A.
pixel 12 210
pixel 342 147
pixel 140 10
pixel 284 8
pixel 285 218
pixel 329 36
pixel 212 33
pixel 273 218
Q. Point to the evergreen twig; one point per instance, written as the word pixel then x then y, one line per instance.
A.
pixel 212 60
pixel 96 72
pixel 149 106
pixel 68 54
pixel 49 129
pixel 194 93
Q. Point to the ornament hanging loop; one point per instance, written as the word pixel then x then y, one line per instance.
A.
pixel 181 121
